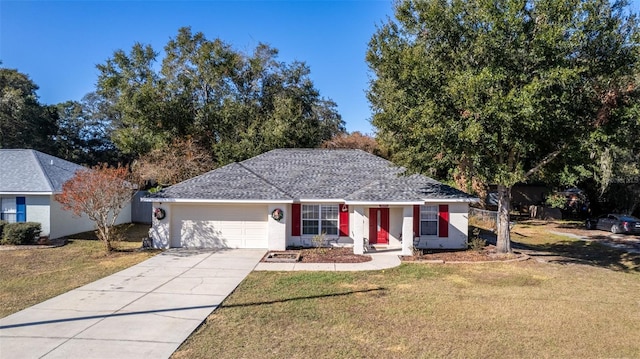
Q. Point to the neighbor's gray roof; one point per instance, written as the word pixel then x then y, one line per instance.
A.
pixel 312 174
pixel 24 171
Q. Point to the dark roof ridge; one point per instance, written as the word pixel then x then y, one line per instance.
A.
pixel 265 180
pixel 42 171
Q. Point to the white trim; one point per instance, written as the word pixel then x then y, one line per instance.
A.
pixel 302 201
pixel 320 200
pixel 193 200
pixel 411 203
pixel 319 219
pixel 447 200
pixel 378 203
pixel 28 193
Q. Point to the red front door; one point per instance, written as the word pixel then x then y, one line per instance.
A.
pixel 378 225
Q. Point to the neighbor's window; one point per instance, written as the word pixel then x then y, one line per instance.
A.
pixel 320 218
pixel 8 209
pixel 428 220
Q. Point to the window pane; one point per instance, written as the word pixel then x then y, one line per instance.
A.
pixel 428 212
pixel 9 217
pixel 310 211
pixel 330 227
pixel 330 212
pixel 318 219
pixel 310 227
pixel 429 228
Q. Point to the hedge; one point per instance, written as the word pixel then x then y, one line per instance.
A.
pixel 20 233
pixel 2 223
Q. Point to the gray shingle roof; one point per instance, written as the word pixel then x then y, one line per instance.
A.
pixel 312 174
pixel 24 171
pixel 231 182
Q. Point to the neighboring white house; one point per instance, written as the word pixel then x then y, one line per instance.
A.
pixel 285 197
pixel 29 180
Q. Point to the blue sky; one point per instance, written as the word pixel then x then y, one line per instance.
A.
pixel 58 43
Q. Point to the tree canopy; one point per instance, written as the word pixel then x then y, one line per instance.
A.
pixel 76 131
pixel 497 90
pixel 24 122
pixel 355 140
pixel 99 193
pixel 232 104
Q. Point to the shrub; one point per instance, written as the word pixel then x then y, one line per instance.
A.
pixel 319 242
pixel 556 200
pixel 2 223
pixel 476 243
pixel 20 233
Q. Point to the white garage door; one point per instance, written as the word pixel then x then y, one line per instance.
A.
pixel 223 226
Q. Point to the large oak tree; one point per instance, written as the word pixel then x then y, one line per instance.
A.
pixel 497 90
pixel 235 105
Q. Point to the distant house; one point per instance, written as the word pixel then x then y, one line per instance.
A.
pixel 29 180
pixel 286 197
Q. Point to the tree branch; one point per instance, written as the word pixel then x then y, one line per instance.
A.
pixel 550 157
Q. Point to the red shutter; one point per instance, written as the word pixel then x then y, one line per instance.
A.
pixel 443 220
pixel 373 230
pixel 416 221
pixel 344 220
pixel 295 219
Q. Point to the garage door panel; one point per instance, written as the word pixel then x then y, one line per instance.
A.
pixel 221 226
pixel 204 234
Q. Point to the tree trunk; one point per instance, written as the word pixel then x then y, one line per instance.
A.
pixel 504 237
pixel 103 235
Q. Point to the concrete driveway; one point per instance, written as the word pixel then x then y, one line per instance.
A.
pixel 145 311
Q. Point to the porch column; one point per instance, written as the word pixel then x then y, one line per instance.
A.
pixel 357 230
pixel 160 231
pixel 407 230
pixel 277 229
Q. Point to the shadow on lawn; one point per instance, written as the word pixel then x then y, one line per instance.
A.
pixel 572 225
pixel 379 289
pixel 577 252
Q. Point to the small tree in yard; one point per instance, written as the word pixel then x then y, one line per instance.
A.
pixel 100 193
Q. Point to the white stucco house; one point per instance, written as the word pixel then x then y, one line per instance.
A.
pixel 285 197
pixel 29 180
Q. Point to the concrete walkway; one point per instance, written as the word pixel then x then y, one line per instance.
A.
pixel 380 259
pixel 145 311
pixel 148 310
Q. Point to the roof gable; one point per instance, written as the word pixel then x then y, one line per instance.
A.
pixel 24 171
pixel 321 173
pixel 231 182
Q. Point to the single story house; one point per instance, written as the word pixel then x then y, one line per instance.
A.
pixel 285 197
pixel 29 181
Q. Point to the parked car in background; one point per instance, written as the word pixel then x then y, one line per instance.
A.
pixel 616 223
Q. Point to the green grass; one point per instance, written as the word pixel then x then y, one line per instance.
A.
pixel 30 276
pixel 585 307
pixel 508 310
pixel 524 309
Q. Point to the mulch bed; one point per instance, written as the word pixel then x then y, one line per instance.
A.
pixel 44 243
pixel 328 255
pixel 345 255
pixel 487 254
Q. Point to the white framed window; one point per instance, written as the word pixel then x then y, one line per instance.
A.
pixel 428 220
pixel 8 209
pixel 320 218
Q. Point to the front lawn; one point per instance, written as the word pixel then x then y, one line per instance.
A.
pixel 508 310
pixel 30 276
